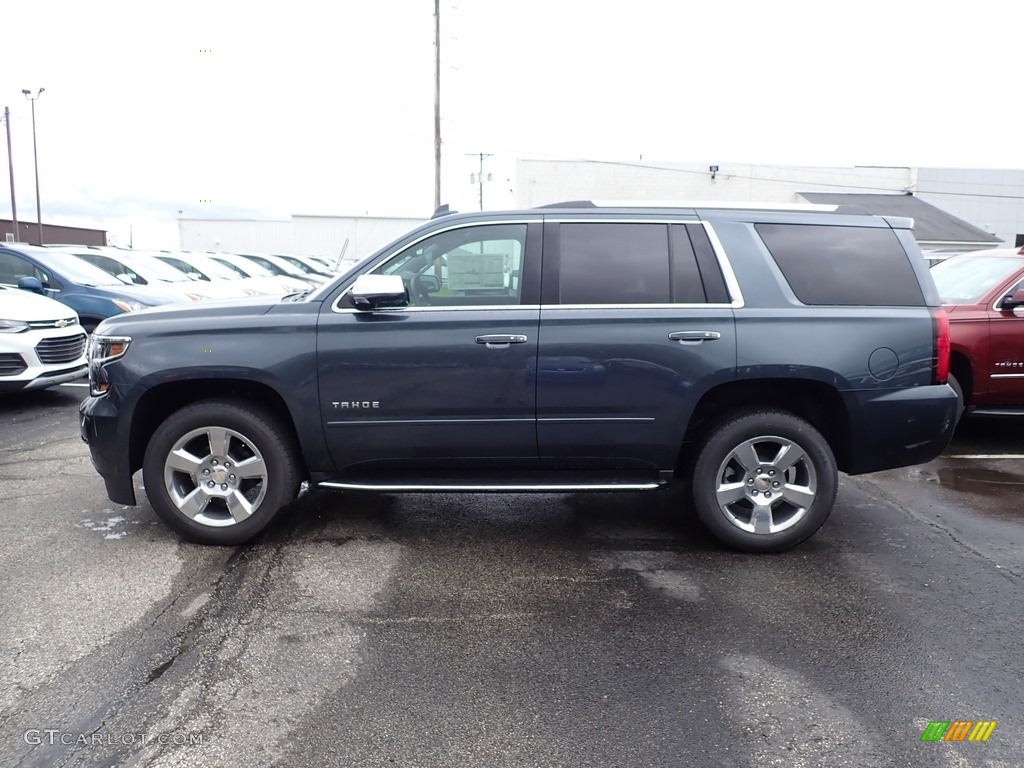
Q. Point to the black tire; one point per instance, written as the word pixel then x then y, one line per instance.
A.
pixel 961 405
pixel 787 519
pixel 89 324
pixel 247 436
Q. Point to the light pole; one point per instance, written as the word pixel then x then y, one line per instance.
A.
pixel 437 104
pixel 35 155
pixel 10 168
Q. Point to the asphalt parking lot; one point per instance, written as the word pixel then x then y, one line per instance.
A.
pixel 507 630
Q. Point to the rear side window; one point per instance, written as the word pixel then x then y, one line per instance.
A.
pixel 846 266
pixel 614 264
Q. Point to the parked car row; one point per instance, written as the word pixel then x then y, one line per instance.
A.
pixel 52 297
pixel 98 282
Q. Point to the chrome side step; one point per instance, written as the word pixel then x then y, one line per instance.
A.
pixel 997 412
pixel 496 488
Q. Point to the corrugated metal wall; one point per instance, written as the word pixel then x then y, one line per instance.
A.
pixel 52 233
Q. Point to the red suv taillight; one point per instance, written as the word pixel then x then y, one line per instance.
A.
pixel 940 358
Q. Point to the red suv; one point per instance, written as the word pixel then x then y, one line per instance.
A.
pixel 983 292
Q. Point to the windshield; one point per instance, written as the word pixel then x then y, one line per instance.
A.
pixel 213 269
pixel 309 269
pixel 966 280
pixel 152 268
pixel 248 267
pixel 77 270
pixel 277 266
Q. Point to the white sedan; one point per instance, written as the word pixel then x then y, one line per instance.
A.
pixel 41 342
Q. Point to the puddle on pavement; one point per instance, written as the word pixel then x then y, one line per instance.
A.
pixel 1002 491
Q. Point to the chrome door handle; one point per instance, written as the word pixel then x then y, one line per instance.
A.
pixel 694 336
pixel 500 340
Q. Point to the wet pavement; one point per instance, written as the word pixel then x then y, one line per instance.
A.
pixel 507 630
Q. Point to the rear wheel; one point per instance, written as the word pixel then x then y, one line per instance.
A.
pixel 218 473
pixel 764 481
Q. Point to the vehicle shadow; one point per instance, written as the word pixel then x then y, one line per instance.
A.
pixel 649 520
pixel 988 435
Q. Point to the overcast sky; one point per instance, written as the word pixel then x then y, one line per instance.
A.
pixel 271 108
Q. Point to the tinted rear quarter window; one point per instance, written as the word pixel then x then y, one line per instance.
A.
pixel 614 263
pixel 845 266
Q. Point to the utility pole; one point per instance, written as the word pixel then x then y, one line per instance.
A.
pixel 480 176
pixel 437 104
pixel 35 155
pixel 10 168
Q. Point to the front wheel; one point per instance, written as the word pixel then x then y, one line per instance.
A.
pixel 764 481
pixel 218 473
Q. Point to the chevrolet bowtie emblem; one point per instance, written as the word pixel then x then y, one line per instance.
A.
pixel 62 323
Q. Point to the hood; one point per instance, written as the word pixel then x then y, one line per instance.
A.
pixel 16 304
pixel 208 313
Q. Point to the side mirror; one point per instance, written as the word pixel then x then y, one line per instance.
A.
pixel 196 276
pixel 378 291
pixel 427 284
pixel 31 284
pixel 126 279
pixel 1012 301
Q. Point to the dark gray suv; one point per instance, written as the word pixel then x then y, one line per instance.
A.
pixel 749 353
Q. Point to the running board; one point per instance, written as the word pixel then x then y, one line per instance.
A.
pixel 495 488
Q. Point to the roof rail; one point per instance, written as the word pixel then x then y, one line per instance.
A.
pixel 720 204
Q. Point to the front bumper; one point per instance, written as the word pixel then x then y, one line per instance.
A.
pixel 899 428
pixel 98 424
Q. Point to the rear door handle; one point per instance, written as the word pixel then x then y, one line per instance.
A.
pixel 500 340
pixel 694 337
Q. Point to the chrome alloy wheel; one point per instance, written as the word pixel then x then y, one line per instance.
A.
pixel 215 476
pixel 766 485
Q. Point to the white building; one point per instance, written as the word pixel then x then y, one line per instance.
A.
pixel 955 209
pixel 989 201
pixel 327 236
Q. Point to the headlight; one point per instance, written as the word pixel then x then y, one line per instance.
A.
pixel 250 292
pixel 126 306
pixel 13 326
pixel 103 350
pixel 193 297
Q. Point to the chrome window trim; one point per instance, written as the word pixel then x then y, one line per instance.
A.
pixel 700 305
pixel 731 283
pixel 533 307
pixel 473 307
pixel 369 267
